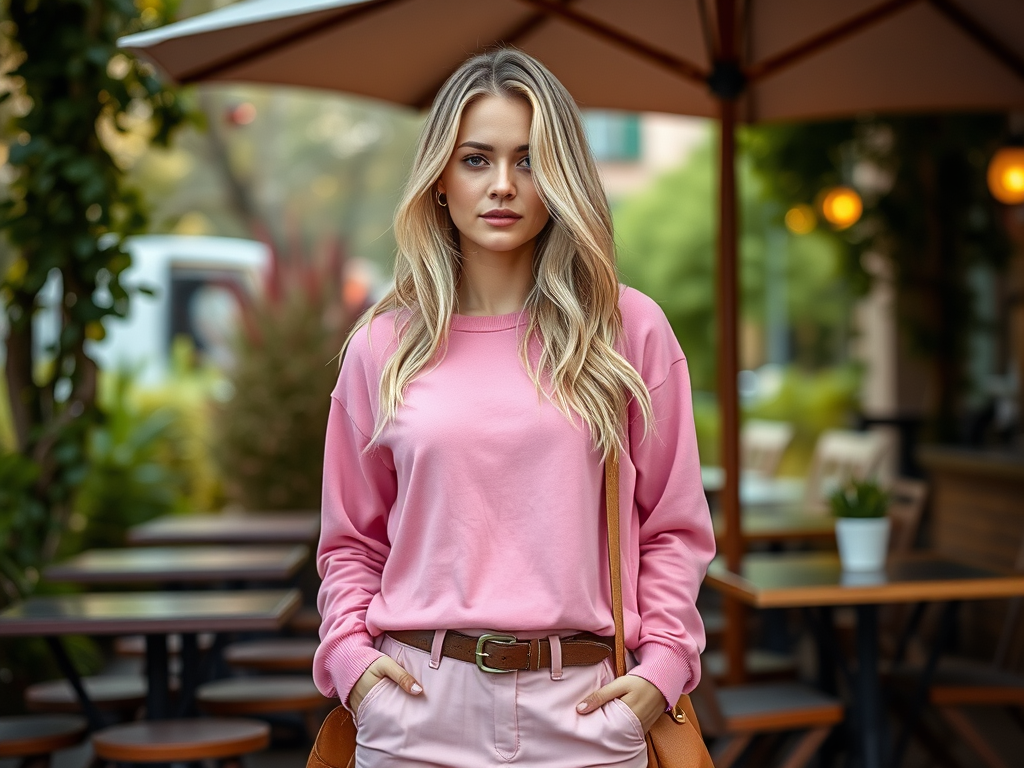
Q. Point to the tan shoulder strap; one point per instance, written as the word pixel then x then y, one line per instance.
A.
pixel 611 499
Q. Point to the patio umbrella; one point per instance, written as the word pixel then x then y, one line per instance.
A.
pixel 729 59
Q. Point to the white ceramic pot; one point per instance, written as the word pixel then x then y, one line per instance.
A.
pixel 863 542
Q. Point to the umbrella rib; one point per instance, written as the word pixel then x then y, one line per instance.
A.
pixel 514 35
pixel 262 49
pixel 973 29
pixel 677 65
pixel 812 46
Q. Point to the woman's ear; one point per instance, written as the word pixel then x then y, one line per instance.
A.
pixel 440 187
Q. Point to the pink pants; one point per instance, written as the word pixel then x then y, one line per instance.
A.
pixel 468 718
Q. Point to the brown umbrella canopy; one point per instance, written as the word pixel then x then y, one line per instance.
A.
pixel 800 58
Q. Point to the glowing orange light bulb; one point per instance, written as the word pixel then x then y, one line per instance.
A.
pixel 841 207
pixel 1006 175
pixel 800 219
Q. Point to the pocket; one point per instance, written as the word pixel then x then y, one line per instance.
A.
pixel 633 727
pixel 370 698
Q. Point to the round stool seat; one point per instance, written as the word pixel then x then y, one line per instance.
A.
pixel 106 692
pixel 135 645
pixel 30 735
pixel 258 695
pixel 165 741
pixel 278 655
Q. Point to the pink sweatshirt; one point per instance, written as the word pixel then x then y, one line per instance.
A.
pixel 481 507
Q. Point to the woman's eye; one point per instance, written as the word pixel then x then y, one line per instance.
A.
pixel 474 161
pixel 525 162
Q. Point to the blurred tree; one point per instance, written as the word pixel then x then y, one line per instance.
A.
pixel 927 211
pixel 666 237
pixel 75 98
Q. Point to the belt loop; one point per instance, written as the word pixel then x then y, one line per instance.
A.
pixel 556 656
pixel 436 647
pixel 535 654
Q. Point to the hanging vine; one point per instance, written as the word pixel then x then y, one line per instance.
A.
pixel 67 212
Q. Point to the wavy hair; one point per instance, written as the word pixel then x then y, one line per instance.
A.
pixel 573 306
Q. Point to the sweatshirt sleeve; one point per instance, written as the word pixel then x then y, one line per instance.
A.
pixel 359 489
pixel 676 539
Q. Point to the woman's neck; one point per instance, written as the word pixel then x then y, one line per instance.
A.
pixel 495 283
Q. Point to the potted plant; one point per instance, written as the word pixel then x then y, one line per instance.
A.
pixel 862 528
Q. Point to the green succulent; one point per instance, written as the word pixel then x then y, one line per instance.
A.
pixel 859 499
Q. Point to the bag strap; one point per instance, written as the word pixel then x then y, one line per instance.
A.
pixel 611 503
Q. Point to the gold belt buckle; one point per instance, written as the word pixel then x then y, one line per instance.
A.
pixel 481 655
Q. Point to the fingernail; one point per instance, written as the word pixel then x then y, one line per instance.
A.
pixel 581 707
pixel 416 688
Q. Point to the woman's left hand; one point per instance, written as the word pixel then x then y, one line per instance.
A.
pixel 641 696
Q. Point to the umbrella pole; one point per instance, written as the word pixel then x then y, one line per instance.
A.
pixel 728 395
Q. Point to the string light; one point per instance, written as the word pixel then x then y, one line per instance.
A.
pixel 1006 175
pixel 841 207
pixel 800 219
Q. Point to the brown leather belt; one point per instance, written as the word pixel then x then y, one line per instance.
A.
pixel 504 653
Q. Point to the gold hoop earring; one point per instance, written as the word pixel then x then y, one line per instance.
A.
pixel 443 203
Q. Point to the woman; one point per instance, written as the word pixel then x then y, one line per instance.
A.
pixel 465 599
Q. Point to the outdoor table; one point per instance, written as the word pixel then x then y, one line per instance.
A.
pixel 155 615
pixel 300 527
pixel 181 565
pixel 755 490
pixel 816 580
pixel 780 526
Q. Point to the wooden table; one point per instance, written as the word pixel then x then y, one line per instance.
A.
pixel 815 579
pixel 301 527
pixel 181 565
pixel 155 615
pixel 780 525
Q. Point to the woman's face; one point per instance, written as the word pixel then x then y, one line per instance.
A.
pixel 488 182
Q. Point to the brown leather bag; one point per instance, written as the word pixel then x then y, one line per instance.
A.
pixel 674 741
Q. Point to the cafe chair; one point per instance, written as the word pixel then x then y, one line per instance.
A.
pixel 181 741
pixel 839 456
pixel 264 695
pixel 762 445
pixel 959 683
pixel 32 739
pixel 280 654
pixel 733 717
pixel 120 694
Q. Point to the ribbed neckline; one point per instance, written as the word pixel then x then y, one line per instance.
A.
pixel 488 323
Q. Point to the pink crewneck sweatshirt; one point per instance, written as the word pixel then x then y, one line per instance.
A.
pixel 481 506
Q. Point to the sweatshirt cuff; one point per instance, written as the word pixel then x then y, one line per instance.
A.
pixel 668 668
pixel 342 663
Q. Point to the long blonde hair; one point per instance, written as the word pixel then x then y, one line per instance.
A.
pixel 574 304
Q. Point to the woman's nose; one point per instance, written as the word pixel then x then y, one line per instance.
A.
pixel 503 185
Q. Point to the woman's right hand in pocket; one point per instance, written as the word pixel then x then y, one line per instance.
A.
pixel 383 667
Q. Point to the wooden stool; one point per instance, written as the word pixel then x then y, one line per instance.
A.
pixel 166 741
pixel 305 621
pixel 135 645
pixel 284 654
pixel 107 692
pixel 36 737
pixel 259 695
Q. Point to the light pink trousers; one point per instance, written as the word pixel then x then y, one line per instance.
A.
pixel 468 718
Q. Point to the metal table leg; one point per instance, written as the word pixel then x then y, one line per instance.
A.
pixel 156 677
pixel 67 668
pixel 868 698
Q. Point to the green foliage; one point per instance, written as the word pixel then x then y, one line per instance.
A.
pixel 860 499
pixel 667 236
pixel 67 211
pixel 270 433
pixel 134 469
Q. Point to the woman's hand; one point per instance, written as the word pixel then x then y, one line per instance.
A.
pixel 641 696
pixel 383 667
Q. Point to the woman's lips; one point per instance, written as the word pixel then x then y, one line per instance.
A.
pixel 501 218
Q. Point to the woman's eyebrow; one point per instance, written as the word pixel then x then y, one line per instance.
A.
pixel 488 147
